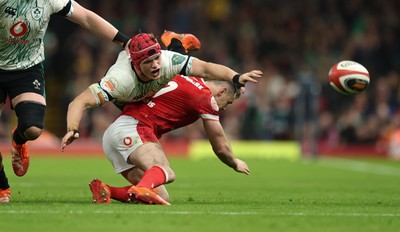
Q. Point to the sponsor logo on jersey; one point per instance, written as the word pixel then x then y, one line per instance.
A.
pixel 18 29
pixel 128 141
pixel 177 59
pixel 108 85
pixel 10 11
pixel 37 13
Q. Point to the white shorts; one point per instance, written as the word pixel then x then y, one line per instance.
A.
pixel 121 139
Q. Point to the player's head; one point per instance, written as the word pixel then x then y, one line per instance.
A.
pixel 225 93
pixel 144 47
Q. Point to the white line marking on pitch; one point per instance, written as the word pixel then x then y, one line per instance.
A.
pixel 360 166
pixel 301 214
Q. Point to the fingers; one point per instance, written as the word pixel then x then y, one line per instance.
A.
pixel 249 76
pixel 246 169
pixel 68 138
pixel 63 145
pixel 242 167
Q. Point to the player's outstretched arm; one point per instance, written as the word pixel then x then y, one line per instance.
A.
pixel 222 147
pixel 214 71
pixel 97 25
pixel 76 108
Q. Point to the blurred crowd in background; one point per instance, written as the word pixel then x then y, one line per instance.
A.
pixel 294 42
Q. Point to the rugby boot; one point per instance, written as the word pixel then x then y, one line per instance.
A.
pixel 20 157
pixel 189 41
pixel 101 192
pixel 5 195
pixel 147 195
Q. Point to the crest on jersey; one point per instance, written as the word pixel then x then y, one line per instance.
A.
pixel 37 13
pixel 177 59
pixel 214 104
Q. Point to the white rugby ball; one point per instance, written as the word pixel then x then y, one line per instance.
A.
pixel 349 77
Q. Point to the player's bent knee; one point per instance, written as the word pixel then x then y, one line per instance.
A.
pixel 32 133
pixel 30 118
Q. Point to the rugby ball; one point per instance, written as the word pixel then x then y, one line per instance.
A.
pixel 349 77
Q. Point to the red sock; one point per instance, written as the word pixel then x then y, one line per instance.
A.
pixel 120 193
pixel 153 177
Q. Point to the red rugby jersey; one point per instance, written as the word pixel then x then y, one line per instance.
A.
pixel 180 103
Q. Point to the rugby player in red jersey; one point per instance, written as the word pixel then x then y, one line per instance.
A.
pixel 132 146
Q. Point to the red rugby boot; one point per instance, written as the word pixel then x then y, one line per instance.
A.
pixel 101 192
pixel 20 157
pixel 147 195
pixel 5 195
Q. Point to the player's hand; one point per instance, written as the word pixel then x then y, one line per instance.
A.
pixel 242 167
pixel 250 76
pixel 68 138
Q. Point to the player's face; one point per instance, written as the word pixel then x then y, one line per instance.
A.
pixel 224 100
pixel 151 68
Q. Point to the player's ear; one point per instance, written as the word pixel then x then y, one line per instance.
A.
pixel 222 91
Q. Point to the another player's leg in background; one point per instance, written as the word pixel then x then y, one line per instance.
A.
pixel 26 91
pixel 5 190
pixel 30 116
pixel 181 43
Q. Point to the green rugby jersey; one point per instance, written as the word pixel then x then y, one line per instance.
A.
pixel 23 24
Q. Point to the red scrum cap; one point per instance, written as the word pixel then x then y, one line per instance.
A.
pixel 141 47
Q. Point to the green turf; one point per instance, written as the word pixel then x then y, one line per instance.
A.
pixel 308 195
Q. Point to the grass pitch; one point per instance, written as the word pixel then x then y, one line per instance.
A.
pixel 279 195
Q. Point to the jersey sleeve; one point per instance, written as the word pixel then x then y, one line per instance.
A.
pixel 174 63
pixel 209 109
pixel 116 87
pixel 119 80
pixel 63 7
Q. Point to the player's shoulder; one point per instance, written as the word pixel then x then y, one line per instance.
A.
pixel 123 56
pixel 120 76
pixel 173 58
pixel 59 4
pixel 195 82
pixel 122 65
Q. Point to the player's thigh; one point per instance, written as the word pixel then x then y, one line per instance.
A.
pixel 24 85
pixel 122 138
pixel 118 143
pixel 148 155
